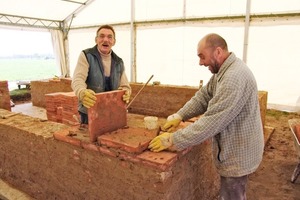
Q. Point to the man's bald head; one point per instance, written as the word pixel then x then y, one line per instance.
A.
pixel 212 51
pixel 213 40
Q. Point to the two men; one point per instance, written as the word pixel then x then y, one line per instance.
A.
pixel 228 104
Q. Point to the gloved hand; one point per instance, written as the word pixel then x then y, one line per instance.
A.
pixel 161 142
pixel 172 122
pixel 88 98
pixel 126 96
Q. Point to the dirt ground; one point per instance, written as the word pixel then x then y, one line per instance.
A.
pixel 273 178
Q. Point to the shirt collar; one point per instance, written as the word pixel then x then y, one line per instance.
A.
pixel 226 64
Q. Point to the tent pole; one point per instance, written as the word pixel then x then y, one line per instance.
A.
pixel 246 31
pixel 133 43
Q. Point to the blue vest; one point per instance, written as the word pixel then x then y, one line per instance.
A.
pixel 96 79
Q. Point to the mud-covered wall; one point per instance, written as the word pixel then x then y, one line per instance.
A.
pixel 159 100
pixel 45 168
pixel 164 100
pixel 156 100
pixel 41 87
pixel 4 96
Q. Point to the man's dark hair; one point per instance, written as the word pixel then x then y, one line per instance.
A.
pixel 106 26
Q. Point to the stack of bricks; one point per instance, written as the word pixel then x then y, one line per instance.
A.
pixel 61 107
pixel 53 107
pixel 69 104
pixel 4 96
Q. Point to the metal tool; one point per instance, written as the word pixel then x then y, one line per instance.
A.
pixel 139 91
pixel 296 173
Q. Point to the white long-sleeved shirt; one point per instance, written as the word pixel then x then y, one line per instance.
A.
pixel 81 72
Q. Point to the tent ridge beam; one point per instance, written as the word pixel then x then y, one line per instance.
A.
pixel 29 21
pixel 198 19
pixel 78 10
pixel 55 24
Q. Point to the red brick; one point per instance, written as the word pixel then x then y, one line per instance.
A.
pixel 108 114
pixel 89 146
pixel 129 157
pixel 62 135
pixel 161 160
pixel 132 140
pixel 107 151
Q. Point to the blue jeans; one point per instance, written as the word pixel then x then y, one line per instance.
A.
pixel 233 188
pixel 83 118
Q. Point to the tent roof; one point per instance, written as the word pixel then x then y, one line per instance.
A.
pixel 57 10
pixel 51 14
pixel 40 13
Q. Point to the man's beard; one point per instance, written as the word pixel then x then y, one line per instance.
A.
pixel 215 67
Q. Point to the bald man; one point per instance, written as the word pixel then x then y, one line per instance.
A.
pixel 230 112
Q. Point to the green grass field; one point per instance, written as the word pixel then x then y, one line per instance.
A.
pixel 27 69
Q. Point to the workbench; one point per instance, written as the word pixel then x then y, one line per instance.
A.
pixel 25 83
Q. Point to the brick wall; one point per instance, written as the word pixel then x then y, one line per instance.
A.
pixel 159 100
pixel 56 161
pixel 4 96
pixel 41 87
pixel 263 99
pixel 165 100
pixel 33 161
pixel 156 100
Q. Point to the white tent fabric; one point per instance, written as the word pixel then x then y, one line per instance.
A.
pixel 59 51
pixel 39 9
pixel 119 11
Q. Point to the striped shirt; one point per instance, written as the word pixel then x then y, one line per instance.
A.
pixel 230 116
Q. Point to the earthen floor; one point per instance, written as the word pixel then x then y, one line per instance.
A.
pixel 29 109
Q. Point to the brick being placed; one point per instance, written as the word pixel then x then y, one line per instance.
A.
pixel 132 140
pixel 108 114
